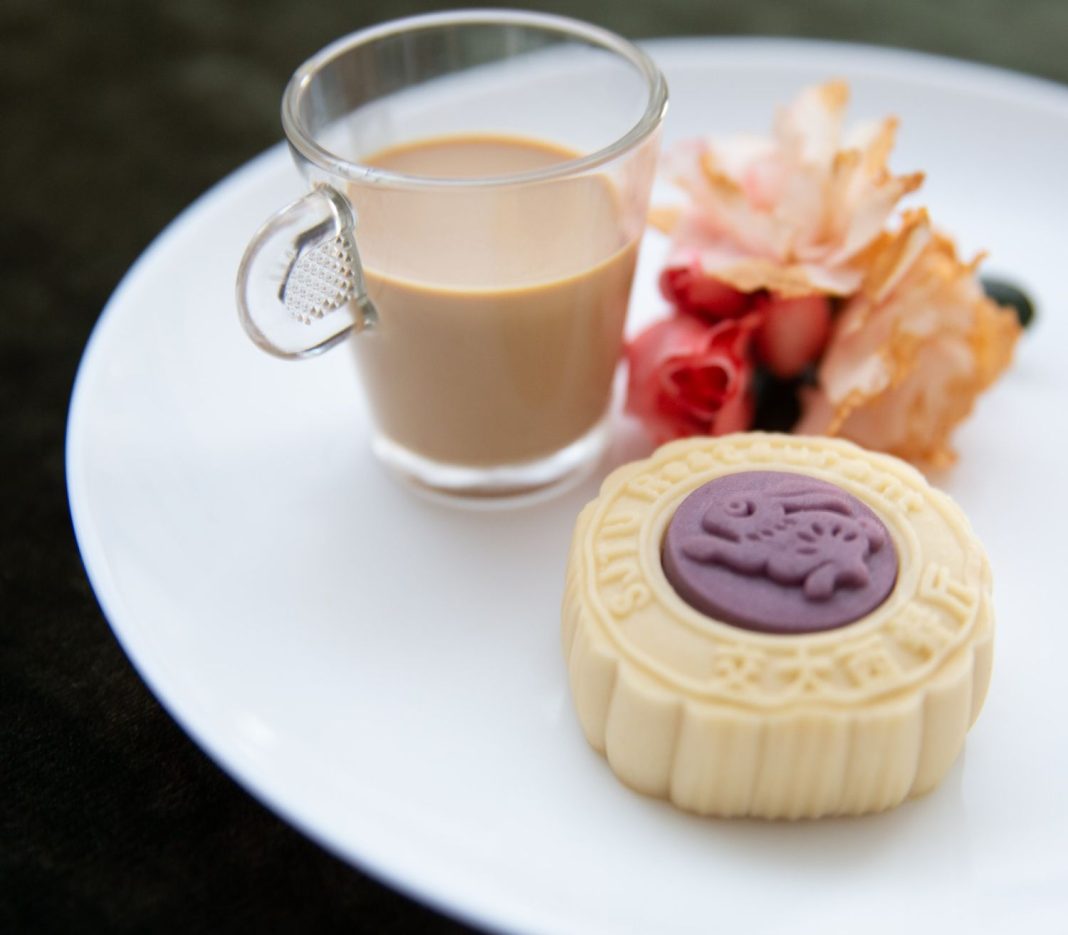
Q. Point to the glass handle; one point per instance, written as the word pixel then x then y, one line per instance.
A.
pixel 300 285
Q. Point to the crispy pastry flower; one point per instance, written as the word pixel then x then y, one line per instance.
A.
pixel 793 213
pixel 912 350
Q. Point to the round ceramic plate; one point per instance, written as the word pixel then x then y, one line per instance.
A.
pixel 385 672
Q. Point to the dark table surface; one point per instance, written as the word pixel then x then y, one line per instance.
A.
pixel 117 114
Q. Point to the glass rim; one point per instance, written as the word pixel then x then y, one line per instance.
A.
pixel 301 140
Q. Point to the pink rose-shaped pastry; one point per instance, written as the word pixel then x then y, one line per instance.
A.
pixel 691 378
pixel 686 286
pixel 911 351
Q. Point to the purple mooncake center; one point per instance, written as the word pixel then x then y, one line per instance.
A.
pixel 779 553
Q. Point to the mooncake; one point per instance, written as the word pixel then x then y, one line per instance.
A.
pixel 776 626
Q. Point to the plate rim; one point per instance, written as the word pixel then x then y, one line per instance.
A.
pixel 194 720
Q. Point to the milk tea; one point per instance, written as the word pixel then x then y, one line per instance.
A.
pixel 501 307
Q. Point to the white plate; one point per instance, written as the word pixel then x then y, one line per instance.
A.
pixel 385 672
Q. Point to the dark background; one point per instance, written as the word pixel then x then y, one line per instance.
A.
pixel 115 115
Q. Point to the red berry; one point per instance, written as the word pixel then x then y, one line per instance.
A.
pixel 793 332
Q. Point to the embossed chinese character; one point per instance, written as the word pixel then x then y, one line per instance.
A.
pixel 868 663
pixel 648 486
pixel 939 587
pixel 620 523
pixel 805 674
pixel 918 630
pixel 738 668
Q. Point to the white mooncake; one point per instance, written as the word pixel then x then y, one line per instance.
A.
pixel 776 626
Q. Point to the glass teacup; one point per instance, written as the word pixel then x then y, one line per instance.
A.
pixel 479 182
